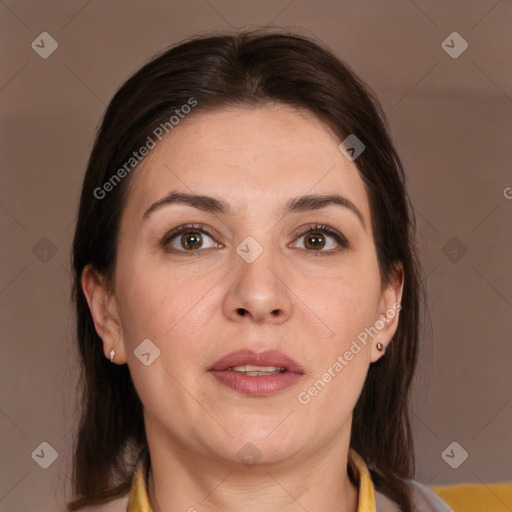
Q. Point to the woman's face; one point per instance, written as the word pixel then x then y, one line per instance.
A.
pixel 248 278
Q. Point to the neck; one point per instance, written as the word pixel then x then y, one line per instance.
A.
pixel 180 482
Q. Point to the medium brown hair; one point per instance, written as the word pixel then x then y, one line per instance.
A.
pixel 250 68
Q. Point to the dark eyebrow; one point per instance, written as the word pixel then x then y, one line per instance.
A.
pixel 295 205
pixel 201 202
pixel 317 202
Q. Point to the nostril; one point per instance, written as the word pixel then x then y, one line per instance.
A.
pixel 241 311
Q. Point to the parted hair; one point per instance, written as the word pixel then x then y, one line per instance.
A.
pixel 247 68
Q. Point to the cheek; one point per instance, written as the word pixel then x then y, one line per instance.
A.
pixel 157 305
pixel 173 315
pixel 345 301
pixel 346 304
pixel 341 356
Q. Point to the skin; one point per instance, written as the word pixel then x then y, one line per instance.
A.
pixel 309 306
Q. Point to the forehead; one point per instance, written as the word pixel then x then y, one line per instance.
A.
pixel 249 156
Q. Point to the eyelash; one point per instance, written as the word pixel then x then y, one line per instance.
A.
pixel 312 228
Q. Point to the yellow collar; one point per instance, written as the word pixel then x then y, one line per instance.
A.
pixel 138 501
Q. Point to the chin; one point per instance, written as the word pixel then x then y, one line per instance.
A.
pixel 266 448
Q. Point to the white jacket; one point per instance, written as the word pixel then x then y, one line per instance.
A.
pixel 423 498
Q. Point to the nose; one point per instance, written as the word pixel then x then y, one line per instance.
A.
pixel 259 292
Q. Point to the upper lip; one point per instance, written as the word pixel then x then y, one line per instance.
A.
pixel 265 358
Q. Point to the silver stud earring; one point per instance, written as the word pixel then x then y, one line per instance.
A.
pixel 112 356
pixel 380 346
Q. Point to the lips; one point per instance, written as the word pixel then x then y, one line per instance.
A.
pixel 286 372
pixel 250 357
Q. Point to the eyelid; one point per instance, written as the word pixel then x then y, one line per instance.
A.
pixel 326 229
pixel 300 232
pixel 188 227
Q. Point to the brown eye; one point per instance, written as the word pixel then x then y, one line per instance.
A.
pixel 314 241
pixel 188 239
pixel 323 240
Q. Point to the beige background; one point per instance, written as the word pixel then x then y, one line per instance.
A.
pixel 450 119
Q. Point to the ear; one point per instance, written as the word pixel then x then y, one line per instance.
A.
pixel 103 307
pixel 386 321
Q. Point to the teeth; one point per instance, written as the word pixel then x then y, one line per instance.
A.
pixel 260 369
pixel 256 371
pixel 257 374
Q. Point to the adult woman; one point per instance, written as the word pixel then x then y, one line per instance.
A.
pixel 262 371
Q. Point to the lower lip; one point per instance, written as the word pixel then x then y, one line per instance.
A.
pixel 263 385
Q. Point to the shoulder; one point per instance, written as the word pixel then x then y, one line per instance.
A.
pixel 117 505
pixel 424 500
